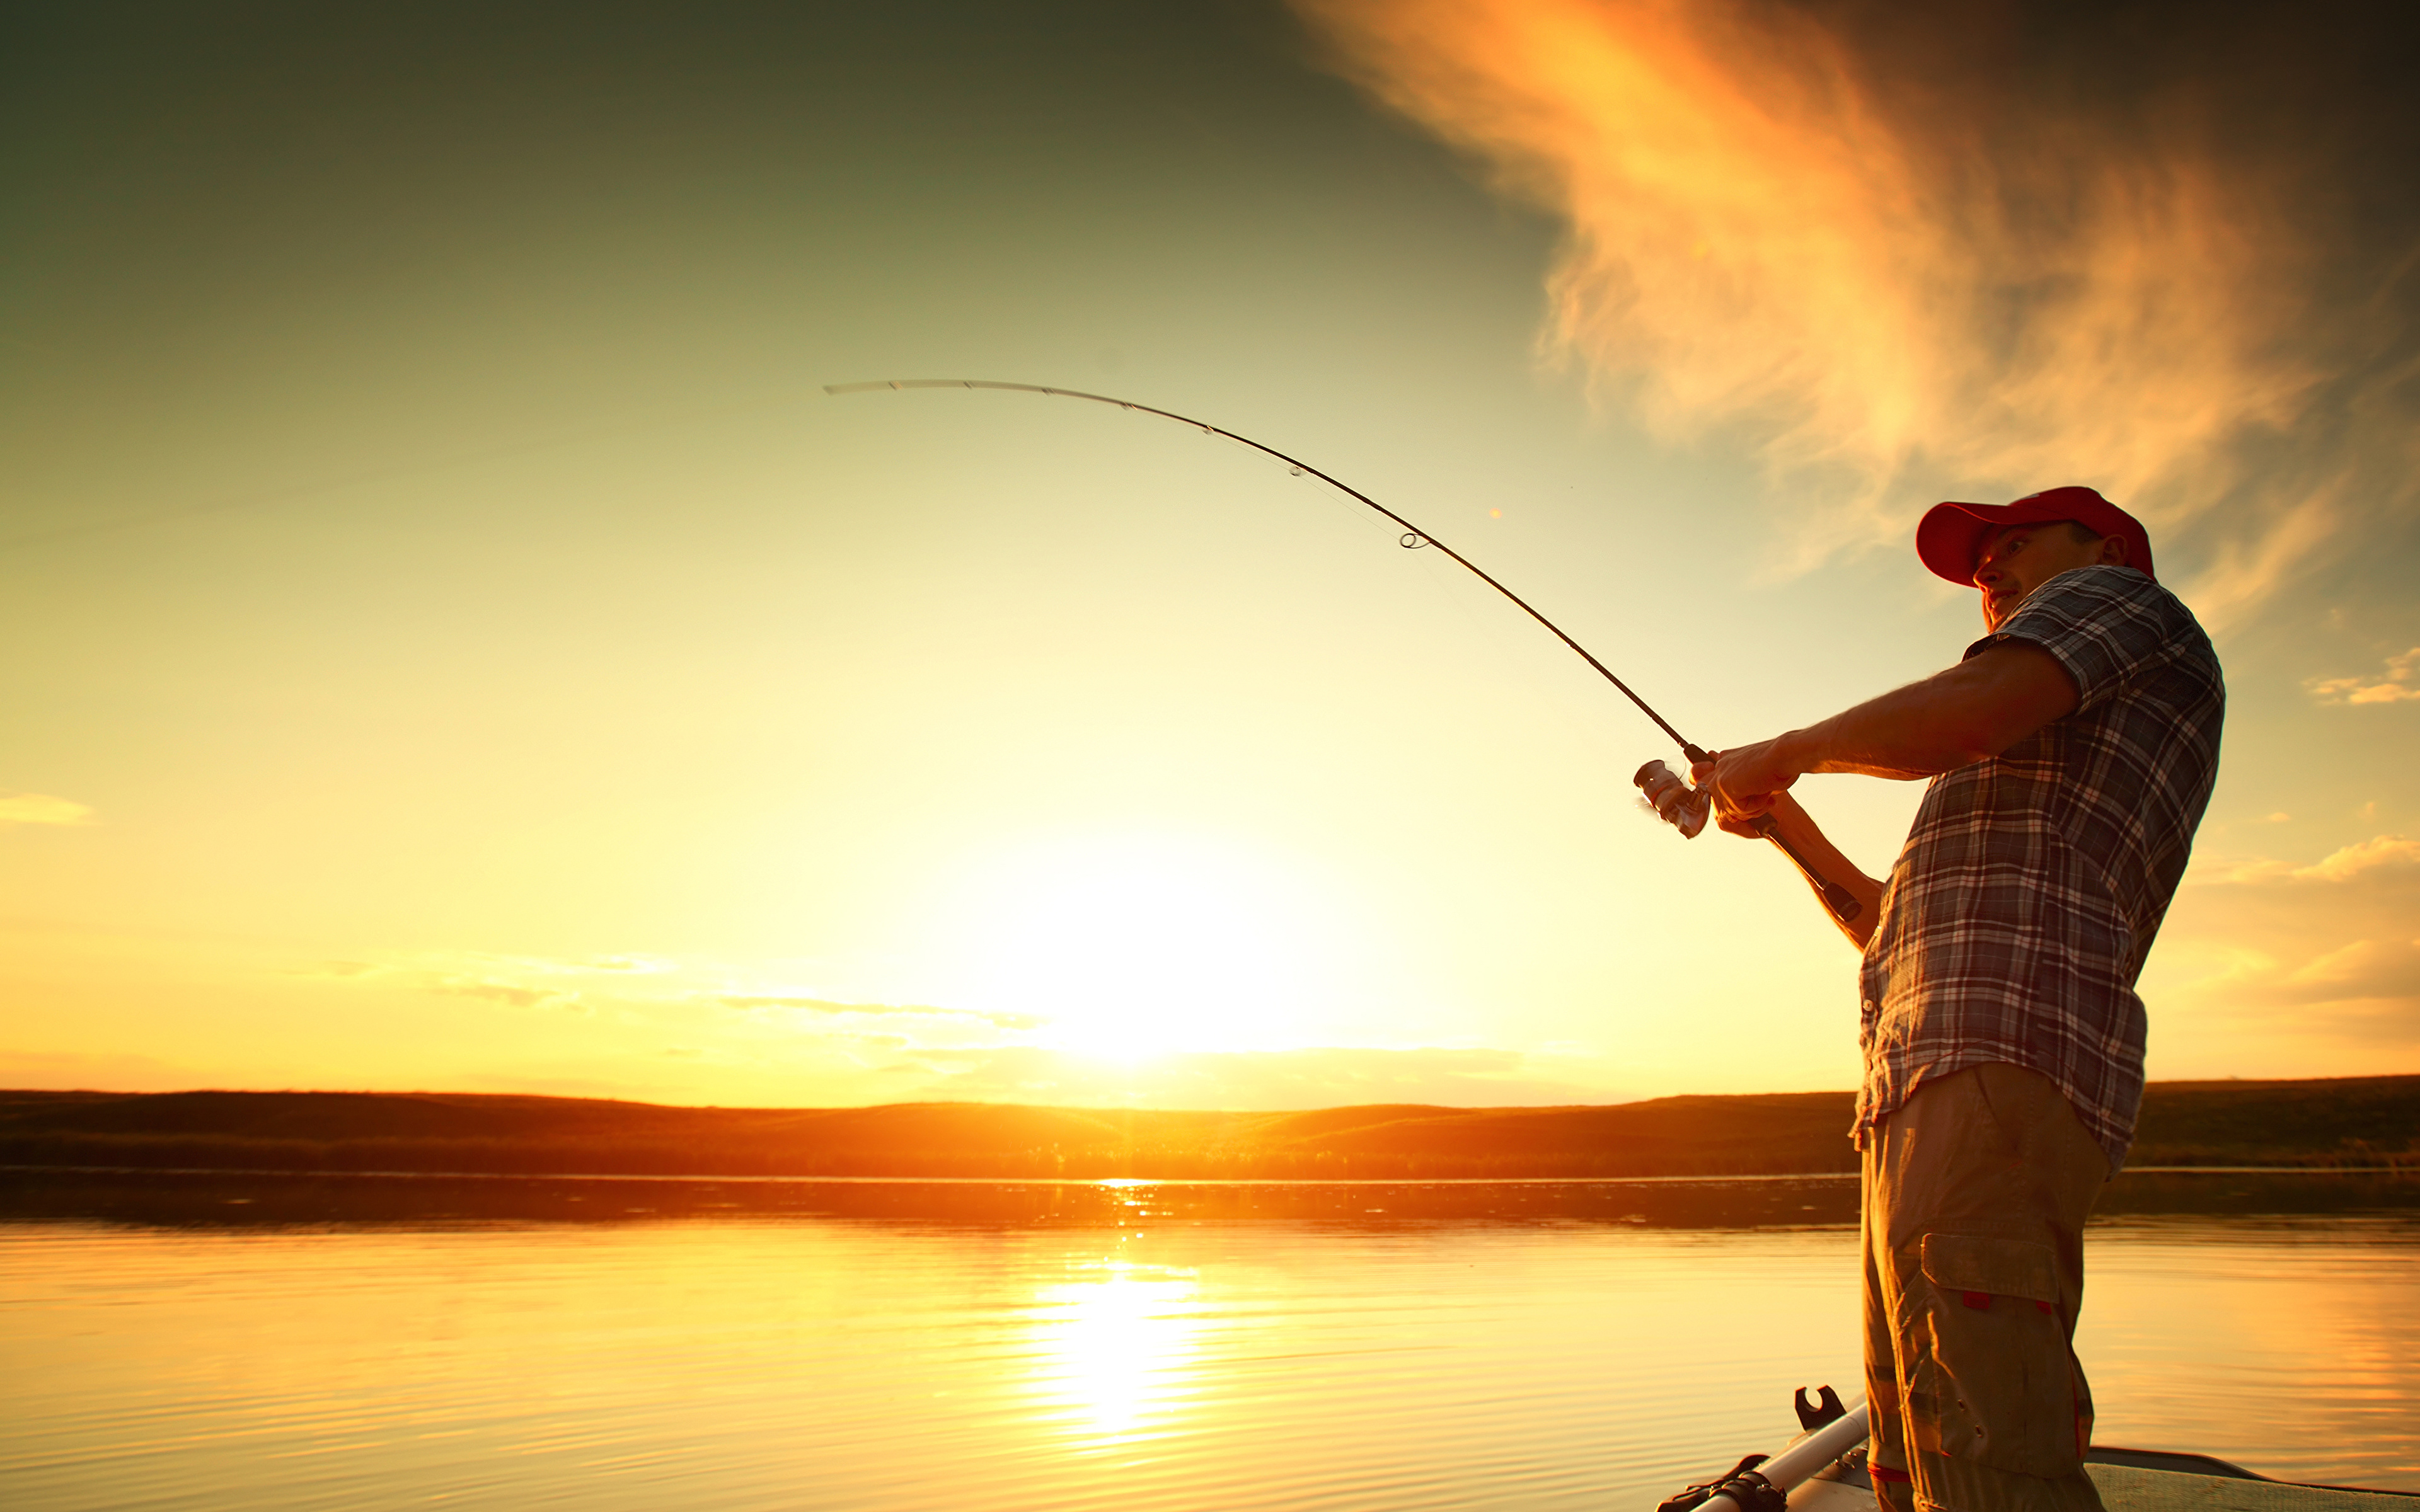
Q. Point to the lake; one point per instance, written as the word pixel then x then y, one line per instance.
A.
pixel 287 1343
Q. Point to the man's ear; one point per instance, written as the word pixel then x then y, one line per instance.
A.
pixel 2112 551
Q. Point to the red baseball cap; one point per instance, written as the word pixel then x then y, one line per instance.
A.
pixel 1950 535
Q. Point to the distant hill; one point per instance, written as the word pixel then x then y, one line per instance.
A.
pixel 2346 1122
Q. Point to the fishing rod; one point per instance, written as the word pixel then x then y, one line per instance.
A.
pixel 1687 809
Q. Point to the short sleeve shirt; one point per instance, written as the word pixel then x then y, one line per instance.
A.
pixel 2018 916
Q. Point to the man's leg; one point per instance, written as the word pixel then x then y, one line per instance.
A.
pixel 1887 1433
pixel 1976 1199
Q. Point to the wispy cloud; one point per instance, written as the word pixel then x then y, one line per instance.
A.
pixel 509 995
pixel 1919 248
pixel 2341 865
pixel 2397 684
pixel 647 988
pixel 2285 965
pixel 42 809
pixel 2352 861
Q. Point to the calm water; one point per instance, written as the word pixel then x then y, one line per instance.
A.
pixel 1129 1356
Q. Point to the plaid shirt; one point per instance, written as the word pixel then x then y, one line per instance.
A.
pixel 2018 916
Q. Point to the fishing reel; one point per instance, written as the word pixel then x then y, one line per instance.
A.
pixel 1684 808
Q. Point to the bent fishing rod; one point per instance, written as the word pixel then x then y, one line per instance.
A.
pixel 1687 812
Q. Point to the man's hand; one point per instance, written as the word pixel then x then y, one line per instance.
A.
pixel 1745 779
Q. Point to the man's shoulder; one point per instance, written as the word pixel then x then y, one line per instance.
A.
pixel 2104 600
pixel 2111 627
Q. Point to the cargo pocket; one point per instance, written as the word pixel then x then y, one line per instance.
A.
pixel 1993 1381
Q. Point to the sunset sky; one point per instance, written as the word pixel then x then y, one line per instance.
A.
pixel 448 639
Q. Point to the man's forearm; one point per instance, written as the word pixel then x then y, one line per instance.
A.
pixel 1796 826
pixel 1969 713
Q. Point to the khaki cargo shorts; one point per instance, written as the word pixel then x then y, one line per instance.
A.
pixel 1976 1194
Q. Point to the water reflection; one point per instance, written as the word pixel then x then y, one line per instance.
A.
pixel 1116 1349
pixel 287 1343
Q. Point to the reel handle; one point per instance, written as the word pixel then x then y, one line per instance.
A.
pixel 1687 809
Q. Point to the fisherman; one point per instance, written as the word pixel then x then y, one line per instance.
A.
pixel 2072 752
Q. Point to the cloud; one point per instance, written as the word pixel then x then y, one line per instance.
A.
pixel 512 996
pixel 2291 963
pixel 681 996
pixel 42 809
pixel 2372 982
pixel 2364 969
pixel 2340 864
pixel 2352 861
pixel 1988 244
pixel 514 981
pixel 2244 570
pixel 2395 687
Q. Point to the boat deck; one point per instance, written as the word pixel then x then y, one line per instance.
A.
pixel 2145 1481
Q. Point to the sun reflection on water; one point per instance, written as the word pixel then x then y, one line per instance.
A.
pixel 1116 1350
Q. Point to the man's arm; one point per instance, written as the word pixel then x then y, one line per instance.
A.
pixel 1969 713
pixel 1796 826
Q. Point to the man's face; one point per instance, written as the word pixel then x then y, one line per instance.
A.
pixel 2022 557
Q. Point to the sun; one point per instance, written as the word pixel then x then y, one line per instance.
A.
pixel 1128 945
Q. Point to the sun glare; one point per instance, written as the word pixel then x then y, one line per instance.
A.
pixel 1130 945
pixel 1114 1349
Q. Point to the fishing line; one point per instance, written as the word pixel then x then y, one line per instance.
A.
pixel 1836 897
pixel 1413 538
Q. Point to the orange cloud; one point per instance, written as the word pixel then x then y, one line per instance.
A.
pixel 2352 861
pixel 2341 865
pixel 2273 963
pixel 2395 687
pixel 1882 265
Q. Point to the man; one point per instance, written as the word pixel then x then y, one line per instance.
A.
pixel 2072 753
